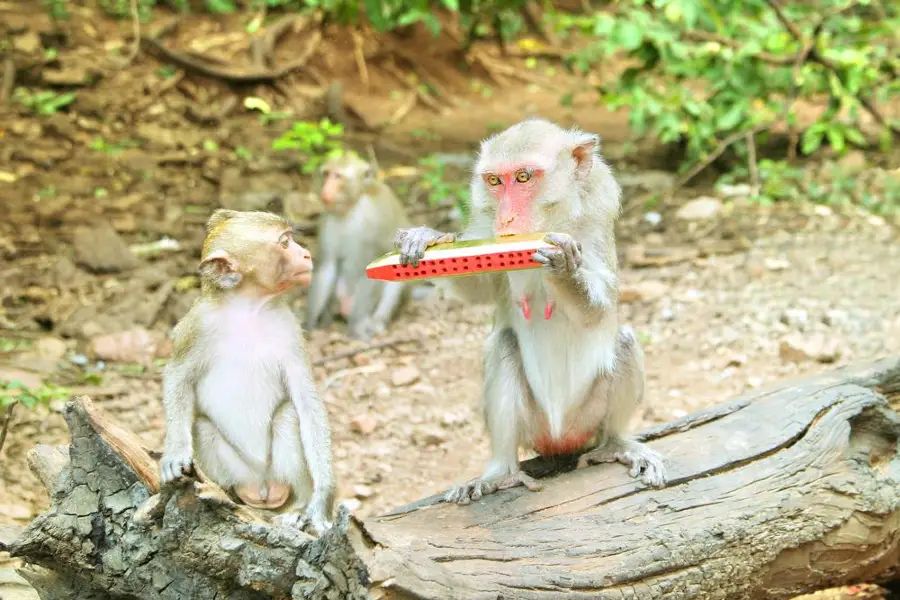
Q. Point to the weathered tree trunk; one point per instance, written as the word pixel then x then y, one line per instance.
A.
pixel 777 493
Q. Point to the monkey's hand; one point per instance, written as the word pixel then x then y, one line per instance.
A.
pixel 413 241
pixel 482 486
pixel 175 464
pixel 565 258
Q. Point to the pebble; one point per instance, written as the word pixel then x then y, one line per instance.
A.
pixel 101 250
pixel 431 437
pixel 643 291
pixel 795 317
pixel 50 347
pixel 405 376
pixel 835 318
pixel 363 491
pixel 700 209
pixel 364 424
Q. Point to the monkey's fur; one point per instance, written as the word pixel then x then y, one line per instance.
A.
pixel 239 395
pixel 570 381
pixel 360 217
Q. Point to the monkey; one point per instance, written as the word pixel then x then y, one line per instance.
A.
pixel 238 392
pixel 358 223
pixel 567 383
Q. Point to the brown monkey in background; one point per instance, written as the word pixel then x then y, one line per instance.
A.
pixel 238 393
pixel 360 218
pixel 569 380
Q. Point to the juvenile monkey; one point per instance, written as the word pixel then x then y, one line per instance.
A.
pixel 238 393
pixel 357 226
pixel 567 378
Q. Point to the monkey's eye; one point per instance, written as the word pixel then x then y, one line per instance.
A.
pixel 523 176
pixel 493 180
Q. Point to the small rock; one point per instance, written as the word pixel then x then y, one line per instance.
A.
pixel 136 345
pixel 797 349
pixel 649 180
pixel 667 314
pixel 27 43
pixel 700 209
pixel 736 360
pixel 52 348
pixel 792 349
pixel 835 318
pixel 364 424
pixel 74 76
pixel 405 376
pixel 777 264
pixel 823 211
pixel 647 291
pixel 653 218
pixel 453 419
pixel 352 504
pixel 101 250
pixel 26 378
pixel 852 162
pixel 795 317
pixel 363 491
pixel 18 512
pixel 432 437
pixel 739 190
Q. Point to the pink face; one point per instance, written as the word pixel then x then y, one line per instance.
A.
pixel 515 189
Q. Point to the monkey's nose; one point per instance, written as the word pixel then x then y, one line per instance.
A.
pixel 305 255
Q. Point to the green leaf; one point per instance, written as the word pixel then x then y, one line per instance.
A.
pixel 812 139
pixel 836 139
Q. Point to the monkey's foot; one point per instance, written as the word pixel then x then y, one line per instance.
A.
pixel 644 462
pixel 367 329
pixel 482 486
pixel 307 522
pixel 269 495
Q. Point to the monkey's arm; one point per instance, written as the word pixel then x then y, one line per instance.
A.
pixel 179 399
pixel 315 435
pixel 325 275
pixel 581 276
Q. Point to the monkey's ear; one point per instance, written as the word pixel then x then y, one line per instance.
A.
pixel 221 269
pixel 583 153
pixel 218 217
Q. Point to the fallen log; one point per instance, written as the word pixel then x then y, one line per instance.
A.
pixel 780 492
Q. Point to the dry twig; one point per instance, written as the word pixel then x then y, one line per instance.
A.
pixel 255 75
pixel 6 421
pixel 135 32
pixel 9 79
pixel 752 165
pixel 360 58
pixel 354 351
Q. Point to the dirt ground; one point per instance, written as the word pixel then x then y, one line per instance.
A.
pixel 724 301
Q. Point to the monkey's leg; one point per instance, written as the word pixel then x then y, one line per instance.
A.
pixel 505 393
pixel 625 392
pixel 345 300
pixel 362 324
pixel 289 464
pixel 391 297
pixel 220 461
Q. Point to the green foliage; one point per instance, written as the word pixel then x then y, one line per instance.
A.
pixel 316 141
pixel 43 102
pixel 703 71
pixel 441 187
pixel 57 9
pixel 101 145
pixel 13 391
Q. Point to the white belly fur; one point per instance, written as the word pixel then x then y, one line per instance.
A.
pixel 562 357
pixel 240 393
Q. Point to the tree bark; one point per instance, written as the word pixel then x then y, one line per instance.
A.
pixel 777 493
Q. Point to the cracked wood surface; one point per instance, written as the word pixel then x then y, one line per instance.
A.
pixel 783 491
pixel 780 492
